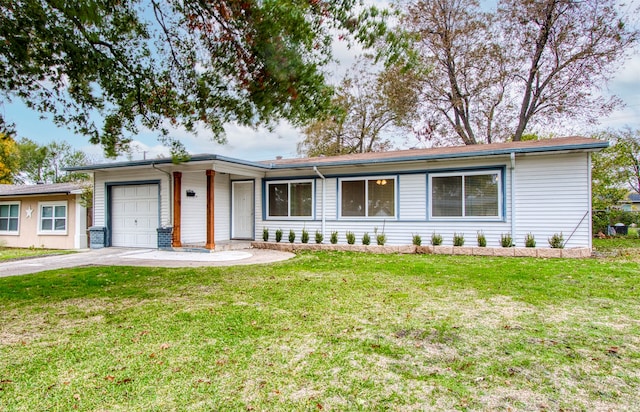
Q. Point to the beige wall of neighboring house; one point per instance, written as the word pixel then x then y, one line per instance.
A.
pixel 43 221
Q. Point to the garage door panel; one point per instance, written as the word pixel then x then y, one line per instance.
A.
pixel 134 217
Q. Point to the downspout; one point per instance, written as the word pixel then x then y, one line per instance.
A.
pixel 324 191
pixel 153 165
pixel 513 195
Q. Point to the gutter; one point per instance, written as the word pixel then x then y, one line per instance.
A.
pixel 153 165
pixel 324 191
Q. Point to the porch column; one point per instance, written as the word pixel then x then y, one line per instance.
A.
pixel 211 243
pixel 177 209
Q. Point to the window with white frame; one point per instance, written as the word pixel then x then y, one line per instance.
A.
pixel 53 218
pixel 474 194
pixel 368 197
pixel 9 217
pixel 290 199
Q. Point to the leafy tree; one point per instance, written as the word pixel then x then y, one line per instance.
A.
pixel 495 75
pixel 370 107
pixel 616 169
pixel 159 65
pixel 45 163
pixel 9 159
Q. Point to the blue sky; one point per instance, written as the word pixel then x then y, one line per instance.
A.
pixel 249 144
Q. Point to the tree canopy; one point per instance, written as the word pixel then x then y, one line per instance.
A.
pixel 162 64
pixel 495 75
pixel 44 163
pixel 9 159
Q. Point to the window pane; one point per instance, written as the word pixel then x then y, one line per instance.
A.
pixel 14 211
pixel 279 199
pixel 60 224
pixel 301 199
pixel 47 211
pixel 446 195
pixel 353 198
pixel 4 224
pixel 481 195
pixel 46 224
pixel 13 225
pixel 4 210
pixel 381 197
pixel 61 211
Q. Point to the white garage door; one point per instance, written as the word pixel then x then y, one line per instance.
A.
pixel 134 216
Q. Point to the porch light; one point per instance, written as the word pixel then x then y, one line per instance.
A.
pixel 381 182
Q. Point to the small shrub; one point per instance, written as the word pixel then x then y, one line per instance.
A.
pixel 458 239
pixel 278 235
pixel 381 239
pixel 319 237
pixel 482 240
pixel 436 239
pixel 417 240
pixel 556 241
pixel 530 240
pixel 366 239
pixel 334 238
pixel 351 238
pixel 506 240
pixel 265 234
pixel 305 236
pixel 292 236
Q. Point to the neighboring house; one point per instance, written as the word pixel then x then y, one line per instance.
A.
pixel 46 215
pixel 632 203
pixel 539 187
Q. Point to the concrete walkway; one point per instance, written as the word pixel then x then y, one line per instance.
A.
pixel 141 257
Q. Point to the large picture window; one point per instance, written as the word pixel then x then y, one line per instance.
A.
pixel 53 218
pixel 373 197
pixel 290 199
pixel 470 194
pixel 9 218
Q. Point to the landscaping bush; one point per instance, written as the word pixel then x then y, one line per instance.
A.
pixel 436 239
pixel 506 240
pixel 292 236
pixel 278 235
pixel 319 237
pixel 265 234
pixel 366 239
pixel 351 238
pixel 556 241
pixel 417 240
pixel 482 240
pixel 305 236
pixel 530 240
pixel 334 238
pixel 458 239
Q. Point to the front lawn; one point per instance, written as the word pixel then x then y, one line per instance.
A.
pixel 326 331
pixel 9 253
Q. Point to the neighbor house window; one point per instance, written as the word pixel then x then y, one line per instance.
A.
pixel 469 194
pixel 290 199
pixel 371 197
pixel 9 218
pixel 53 218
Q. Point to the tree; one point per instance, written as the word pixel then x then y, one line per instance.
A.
pixel 44 164
pixel 616 169
pixel 370 106
pixel 496 75
pixel 9 162
pixel 146 63
pixel 465 76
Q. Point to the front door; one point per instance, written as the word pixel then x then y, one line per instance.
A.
pixel 242 210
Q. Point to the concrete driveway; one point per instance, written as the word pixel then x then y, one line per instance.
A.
pixel 141 257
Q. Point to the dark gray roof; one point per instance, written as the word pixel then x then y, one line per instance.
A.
pixel 634 197
pixel 45 189
pixel 397 156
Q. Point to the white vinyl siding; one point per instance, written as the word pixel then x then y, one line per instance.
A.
pixel 222 208
pixel 194 208
pixel 552 196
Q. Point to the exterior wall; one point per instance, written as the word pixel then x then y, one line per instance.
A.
pixel 552 195
pixel 222 208
pixel 75 237
pixel 194 209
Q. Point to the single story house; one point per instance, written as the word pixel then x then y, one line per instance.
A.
pixel 51 216
pixel 539 187
pixel 632 203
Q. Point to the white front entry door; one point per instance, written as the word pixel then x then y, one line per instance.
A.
pixel 242 210
pixel 134 216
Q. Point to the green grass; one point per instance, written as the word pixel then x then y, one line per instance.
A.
pixel 8 253
pixel 331 331
pixel 629 245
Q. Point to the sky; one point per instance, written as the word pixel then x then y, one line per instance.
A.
pixel 246 143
